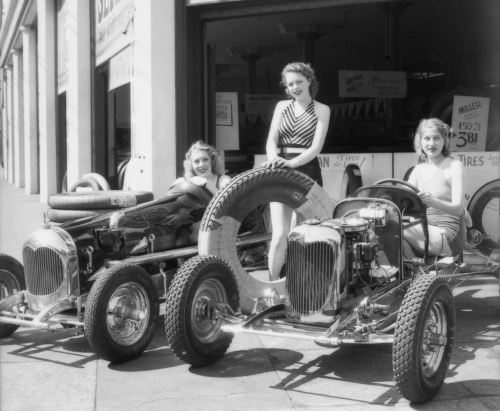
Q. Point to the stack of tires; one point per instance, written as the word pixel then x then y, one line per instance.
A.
pixel 90 197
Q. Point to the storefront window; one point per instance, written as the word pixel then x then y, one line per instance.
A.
pixel 433 59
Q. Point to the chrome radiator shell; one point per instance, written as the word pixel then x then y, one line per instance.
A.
pixel 316 280
pixel 50 267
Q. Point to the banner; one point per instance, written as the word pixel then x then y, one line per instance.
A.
pixel 469 123
pixel 260 107
pixel 385 84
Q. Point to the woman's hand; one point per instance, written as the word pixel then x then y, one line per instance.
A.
pixel 197 180
pixel 426 197
pixel 276 162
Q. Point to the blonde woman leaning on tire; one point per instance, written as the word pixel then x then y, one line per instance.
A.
pixel 295 139
pixel 203 167
pixel 440 179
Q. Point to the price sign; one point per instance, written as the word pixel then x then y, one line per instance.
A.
pixel 469 123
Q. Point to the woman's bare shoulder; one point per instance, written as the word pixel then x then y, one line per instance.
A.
pixel 455 163
pixel 418 170
pixel 283 103
pixel 321 106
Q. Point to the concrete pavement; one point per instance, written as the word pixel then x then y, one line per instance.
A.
pixel 42 370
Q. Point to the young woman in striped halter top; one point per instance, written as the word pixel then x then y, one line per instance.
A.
pixel 296 137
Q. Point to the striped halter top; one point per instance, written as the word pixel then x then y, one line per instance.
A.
pixel 297 131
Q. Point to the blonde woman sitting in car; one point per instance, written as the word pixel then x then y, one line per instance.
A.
pixel 440 181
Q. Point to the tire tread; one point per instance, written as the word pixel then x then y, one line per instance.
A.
pixel 404 350
pixel 175 328
pixel 95 329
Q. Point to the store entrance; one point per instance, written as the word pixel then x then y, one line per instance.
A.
pixel 112 128
pixel 61 145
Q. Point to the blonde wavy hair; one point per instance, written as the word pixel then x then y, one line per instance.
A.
pixel 434 124
pixel 215 160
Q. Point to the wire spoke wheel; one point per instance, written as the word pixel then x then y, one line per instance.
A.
pixel 128 313
pixel 11 281
pixel 434 341
pixel 423 338
pixel 204 324
pixel 202 286
pixel 8 283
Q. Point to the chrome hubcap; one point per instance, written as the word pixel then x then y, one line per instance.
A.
pixel 128 313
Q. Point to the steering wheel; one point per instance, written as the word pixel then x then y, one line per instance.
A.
pixel 407 202
pixel 186 187
pixel 397 182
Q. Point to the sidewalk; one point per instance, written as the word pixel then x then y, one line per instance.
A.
pixel 20 214
pixel 54 371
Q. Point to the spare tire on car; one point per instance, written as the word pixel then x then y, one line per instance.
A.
pixel 111 199
pixel 232 204
pixel 70 206
pixel 483 209
pixel 56 215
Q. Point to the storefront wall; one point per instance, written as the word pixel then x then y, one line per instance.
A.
pixel 153 99
pixel 63 35
pixel 182 53
pixel 31 163
pixel 446 62
pixel 424 61
pixel 47 88
pixel 141 34
pixel 78 90
pixel 420 65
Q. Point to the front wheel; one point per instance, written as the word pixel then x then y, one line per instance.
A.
pixel 121 312
pixel 11 281
pixel 423 339
pixel 192 325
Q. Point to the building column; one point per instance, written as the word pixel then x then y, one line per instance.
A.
pixel 47 93
pixel 18 99
pixel 30 112
pixel 10 123
pixel 78 90
pixel 153 97
pixel 5 128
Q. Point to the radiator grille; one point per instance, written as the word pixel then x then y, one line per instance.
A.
pixel 309 267
pixel 44 270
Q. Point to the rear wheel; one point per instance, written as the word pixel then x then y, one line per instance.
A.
pixel 351 180
pixel 11 281
pixel 484 211
pixel 121 313
pixel 423 339
pixel 192 326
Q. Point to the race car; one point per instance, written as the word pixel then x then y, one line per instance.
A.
pixel 350 279
pixel 106 275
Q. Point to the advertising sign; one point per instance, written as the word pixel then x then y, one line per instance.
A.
pixel 359 83
pixel 113 21
pixel 119 69
pixel 226 121
pixel 469 123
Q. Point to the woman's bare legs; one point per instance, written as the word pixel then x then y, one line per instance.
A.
pixel 281 218
pixel 437 240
